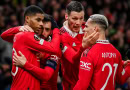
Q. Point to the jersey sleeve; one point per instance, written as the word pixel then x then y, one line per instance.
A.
pixel 9 34
pixel 41 74
pixel 69 53
pixel 122 73
pixel 41 45
pixel 85 72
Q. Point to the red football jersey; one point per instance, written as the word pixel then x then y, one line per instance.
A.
pixel 51 83
pixel 47 72
pixel 100 67
pixel 8 35
pixel 72 51
pixel 28 44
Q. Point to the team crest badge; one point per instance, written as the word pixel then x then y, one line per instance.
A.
pixel 85 52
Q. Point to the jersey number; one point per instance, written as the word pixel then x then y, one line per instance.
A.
pixel 110 72
pixel 14 73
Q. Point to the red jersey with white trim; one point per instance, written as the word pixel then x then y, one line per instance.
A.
pixel 72 51
pixel 51 47
pixel 100 67
pixel 33 69
pixel 22 80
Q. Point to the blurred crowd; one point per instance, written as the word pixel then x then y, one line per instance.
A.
pixel 117 12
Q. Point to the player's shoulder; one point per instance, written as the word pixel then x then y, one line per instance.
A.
pixel 114 49
pixel 62 30
pixel 24 33
pixel 93 50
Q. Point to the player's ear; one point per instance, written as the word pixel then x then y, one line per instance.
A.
pixel 96 28
pixel 66 16
pixel 27 19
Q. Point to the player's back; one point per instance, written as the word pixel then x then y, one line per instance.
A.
pixel 23 80
pixel 106 61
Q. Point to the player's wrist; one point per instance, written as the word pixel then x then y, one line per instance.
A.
pixel 84 46
pixel 26 64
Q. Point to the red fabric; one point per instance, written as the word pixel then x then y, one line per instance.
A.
pixel 9 34
pixel 24 80
pixel 95 67
pixel 25 43
pixel 70 59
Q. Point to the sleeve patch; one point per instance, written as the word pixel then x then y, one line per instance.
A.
pixel 41 41
pixel 64 49
pixel 36 37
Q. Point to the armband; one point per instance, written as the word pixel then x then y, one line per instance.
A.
pixel 51 63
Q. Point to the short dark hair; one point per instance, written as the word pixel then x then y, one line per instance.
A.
pixel 74 6
pixel 32 10
pixel 100 20
pixel 49 18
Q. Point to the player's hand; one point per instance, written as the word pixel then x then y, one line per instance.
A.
pixel 89 40
pixel 126 62
pixel 19 60
pixel 26 28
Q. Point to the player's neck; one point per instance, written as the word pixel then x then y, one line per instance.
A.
pixel 102 36
pixel 67 25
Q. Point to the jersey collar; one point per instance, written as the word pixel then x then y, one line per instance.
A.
pixel 102 41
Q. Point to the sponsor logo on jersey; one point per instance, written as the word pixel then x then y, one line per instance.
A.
pixel 36 37
pixel 85 65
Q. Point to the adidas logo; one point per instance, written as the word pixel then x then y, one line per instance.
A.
pixel 73 44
